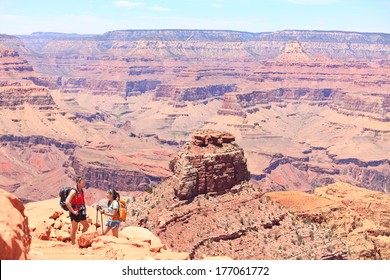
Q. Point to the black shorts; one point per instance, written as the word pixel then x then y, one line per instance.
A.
pixel 77 218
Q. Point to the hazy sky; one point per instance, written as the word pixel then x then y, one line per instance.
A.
pixel 99 16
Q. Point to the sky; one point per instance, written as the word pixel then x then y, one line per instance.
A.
pixel 18 17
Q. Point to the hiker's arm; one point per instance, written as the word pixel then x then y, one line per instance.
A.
pixel 72 193
pixel 111 215
pixel 114 214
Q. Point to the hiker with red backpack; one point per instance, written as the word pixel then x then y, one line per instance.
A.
pixel 113 220
pixel 75 203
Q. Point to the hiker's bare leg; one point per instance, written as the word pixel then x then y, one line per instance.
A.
pixel 75 225
pixel 85 225
pixel 115 232
pixel 106 230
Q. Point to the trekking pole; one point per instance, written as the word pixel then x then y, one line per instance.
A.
pixel 101 215
pixel 97 215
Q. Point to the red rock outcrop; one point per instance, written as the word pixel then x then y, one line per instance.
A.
pixel 359 217
pixel 15 238
pixel 209 164
pixel 86 239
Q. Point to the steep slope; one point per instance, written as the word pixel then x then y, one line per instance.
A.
pixel 42 146
pixel 240 221
pixel 359 217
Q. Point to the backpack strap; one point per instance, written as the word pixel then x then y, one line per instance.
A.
pixel 117 211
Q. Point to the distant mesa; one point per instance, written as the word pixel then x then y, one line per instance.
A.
pixel 210 163
pixel 293 51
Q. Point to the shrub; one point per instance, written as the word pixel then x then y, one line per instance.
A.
pixel 149 190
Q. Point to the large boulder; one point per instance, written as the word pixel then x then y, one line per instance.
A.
pixel 211 163
pixel 15 238
pixel 86 239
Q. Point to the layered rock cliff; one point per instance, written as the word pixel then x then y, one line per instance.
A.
pixel 11 97
pixel 139 87
pixel 104 177
pixel 363 104
pixel 193 93
pixel 196 43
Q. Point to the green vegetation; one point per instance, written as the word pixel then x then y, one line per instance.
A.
pixel 149 190
pixel 311 235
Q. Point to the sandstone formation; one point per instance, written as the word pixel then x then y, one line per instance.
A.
pixel 15 238
pixel 210 164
